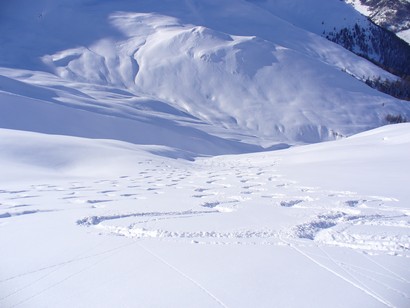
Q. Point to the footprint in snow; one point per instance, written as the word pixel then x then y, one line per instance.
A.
pixel 290 203
pixel 98 201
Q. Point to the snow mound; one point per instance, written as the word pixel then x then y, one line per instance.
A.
pixel 29 156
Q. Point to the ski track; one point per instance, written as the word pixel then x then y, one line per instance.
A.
pixel 67 277
pixel 352 280
pixel 123 207
pixel 356 282
pixel 189 278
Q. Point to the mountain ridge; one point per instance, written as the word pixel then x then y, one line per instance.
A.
pixel 259 79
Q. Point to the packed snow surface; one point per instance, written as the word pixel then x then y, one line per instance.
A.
pixel 89 223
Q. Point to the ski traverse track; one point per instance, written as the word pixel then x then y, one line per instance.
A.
pixel 207 292
pixel 352 280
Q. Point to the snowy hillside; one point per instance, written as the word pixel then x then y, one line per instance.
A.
pixel 182 68
pixel 90 223
pixel 341 24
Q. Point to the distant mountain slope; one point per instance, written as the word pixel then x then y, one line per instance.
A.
pixel 341 24
pixel 208 77
pixel 390 14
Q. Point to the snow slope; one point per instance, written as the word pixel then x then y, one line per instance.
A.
pixel 321 225
pixel 405 35
pixel 258 79
pixel 141 121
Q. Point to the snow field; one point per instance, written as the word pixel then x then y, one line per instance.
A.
pixel 205 228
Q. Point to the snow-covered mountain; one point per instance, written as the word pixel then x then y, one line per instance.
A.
pixel 111 194
pixel 208 77
pixel 391 14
